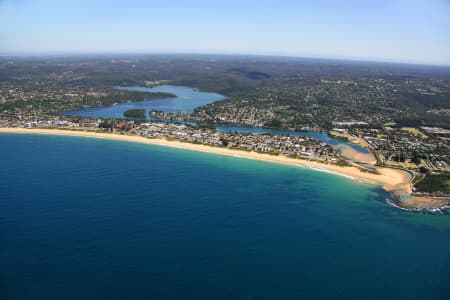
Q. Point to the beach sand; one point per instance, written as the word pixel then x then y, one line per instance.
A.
pixel 356 156
pixel 392 180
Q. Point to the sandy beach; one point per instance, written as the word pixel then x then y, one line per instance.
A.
pixel 393 180
pixel 357 156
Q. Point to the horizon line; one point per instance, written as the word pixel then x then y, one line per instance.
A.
pixel 170 53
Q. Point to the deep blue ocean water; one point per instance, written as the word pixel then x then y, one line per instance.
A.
pixel 96 219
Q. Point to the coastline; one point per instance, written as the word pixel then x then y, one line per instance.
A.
pixel 434 204
pixel 394 181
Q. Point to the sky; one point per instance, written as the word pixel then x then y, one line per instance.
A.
pixel 413 31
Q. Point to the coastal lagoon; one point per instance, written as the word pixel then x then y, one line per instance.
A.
pixel 186 101
pixel 99 219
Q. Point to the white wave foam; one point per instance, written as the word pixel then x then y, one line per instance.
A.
pixel 331 172
pixel 440 210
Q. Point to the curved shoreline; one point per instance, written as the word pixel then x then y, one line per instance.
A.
pixel 393 180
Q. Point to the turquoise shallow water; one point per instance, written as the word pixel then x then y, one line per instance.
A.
pixel 95 219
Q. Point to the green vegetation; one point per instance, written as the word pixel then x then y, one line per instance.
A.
pixel 135 113
pixel 434 183
pixel 274 123
pixel 415 131
pixel 285 93
pixel 343 163
pixel 338 136
pixel 371 171
pixel 417 178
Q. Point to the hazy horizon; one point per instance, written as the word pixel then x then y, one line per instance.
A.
pixel 412 32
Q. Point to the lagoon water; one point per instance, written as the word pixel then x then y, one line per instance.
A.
pixel 186 101
pixel 97 219
pixel 321 136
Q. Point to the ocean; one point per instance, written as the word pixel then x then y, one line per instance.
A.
pixel 85 218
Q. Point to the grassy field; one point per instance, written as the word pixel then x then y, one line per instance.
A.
pixel 415 132
pixel 351 138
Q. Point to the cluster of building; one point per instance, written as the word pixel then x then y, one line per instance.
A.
pixel 293 146
pixel 228 113
pixel 52 122
pixel 274 144
pixel 436 130
pixel 41 98
pixel 408 148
